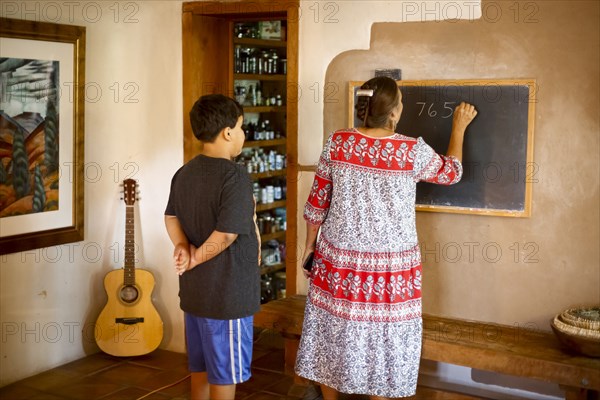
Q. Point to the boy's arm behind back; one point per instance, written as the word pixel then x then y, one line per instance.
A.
pixel 181 253
pixel 216 243
pixel 185 255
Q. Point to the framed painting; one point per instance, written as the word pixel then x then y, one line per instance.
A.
pixel 42 71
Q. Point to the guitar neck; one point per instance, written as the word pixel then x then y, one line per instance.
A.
pixel 129 277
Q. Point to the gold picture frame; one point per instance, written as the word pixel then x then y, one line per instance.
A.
pixel 51 184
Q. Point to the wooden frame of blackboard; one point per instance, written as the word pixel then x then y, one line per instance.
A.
pixel 523 169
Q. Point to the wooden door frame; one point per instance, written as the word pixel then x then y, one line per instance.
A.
pixel 228 12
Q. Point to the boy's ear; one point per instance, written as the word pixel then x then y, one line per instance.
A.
pixel 225 133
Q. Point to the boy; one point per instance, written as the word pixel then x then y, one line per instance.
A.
pixel 210 220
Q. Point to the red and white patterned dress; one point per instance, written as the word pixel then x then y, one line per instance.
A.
pixel 362 327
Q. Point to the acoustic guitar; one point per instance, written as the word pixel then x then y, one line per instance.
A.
pixel 129 325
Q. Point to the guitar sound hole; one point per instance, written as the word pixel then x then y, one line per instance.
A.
pixel 129 294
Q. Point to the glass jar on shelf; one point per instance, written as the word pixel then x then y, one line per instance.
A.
pixel 240 94
pixel 246 30
pixel 266 289
pixel 277 192
pixel 279 279
pixel 271 255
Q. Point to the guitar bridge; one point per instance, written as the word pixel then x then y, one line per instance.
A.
pixel 129 321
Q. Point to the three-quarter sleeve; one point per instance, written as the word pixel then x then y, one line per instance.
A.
pixel 435 168
pixel 319 199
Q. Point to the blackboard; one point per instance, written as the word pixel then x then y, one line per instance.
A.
pixel 498 149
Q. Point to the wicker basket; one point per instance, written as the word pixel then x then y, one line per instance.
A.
pixel 588 318
pixel 579 329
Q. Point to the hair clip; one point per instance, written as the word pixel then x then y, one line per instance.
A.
pixel 365 92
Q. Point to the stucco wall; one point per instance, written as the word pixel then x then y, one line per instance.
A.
pixel 508 270
pixel 140 45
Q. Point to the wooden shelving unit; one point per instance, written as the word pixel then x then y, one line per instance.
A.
pixel 270 236
pixel 250 42
pixel 270 206
pixel 269 174
pixel 265 109
pixel 265 143
pixel 269 269
pixel 209 47
pixel 261 77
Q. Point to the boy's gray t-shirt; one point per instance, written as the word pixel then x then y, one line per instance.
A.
pixel 209 194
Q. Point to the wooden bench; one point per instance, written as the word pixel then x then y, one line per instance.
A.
pixel 485 346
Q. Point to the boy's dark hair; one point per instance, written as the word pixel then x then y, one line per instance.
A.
pixel 211 113
pixel 375 110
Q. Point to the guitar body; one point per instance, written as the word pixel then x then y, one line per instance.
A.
pixel 129 324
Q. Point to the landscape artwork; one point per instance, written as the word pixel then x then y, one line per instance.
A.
pixel 29 136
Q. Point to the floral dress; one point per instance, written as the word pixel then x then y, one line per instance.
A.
pixel 362 326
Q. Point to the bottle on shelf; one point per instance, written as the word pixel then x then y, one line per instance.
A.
pixel 240 94
pixel 277 190
pixel 271 255
pixel 252 62
pixel 249 60
pixel 238 60
pixel 258 160
pixel 274 61
pixel 265 60
pixel 249 129
pixel 284 66
pixel 279 279
pixel 246 30
pixel 271 222
pixel 266 289
pixel 256 192
pixel 259 100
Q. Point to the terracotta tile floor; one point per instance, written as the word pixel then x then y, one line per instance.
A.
pixel 103 377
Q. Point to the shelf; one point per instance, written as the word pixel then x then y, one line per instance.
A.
pixel 267 269
pixel 269 174
pixel 259 77
pixel 265 109
pixel 265 143
pixel 270 236
pixel 213 28
pixel 260 42
pixel 270 206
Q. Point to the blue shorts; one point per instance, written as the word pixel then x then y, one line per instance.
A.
pixel 221 348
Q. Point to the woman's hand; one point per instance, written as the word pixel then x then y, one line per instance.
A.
pixel 464 113
pixel 307 252
pixel 312 231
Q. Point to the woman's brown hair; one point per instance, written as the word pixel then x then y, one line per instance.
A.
pixel 375 110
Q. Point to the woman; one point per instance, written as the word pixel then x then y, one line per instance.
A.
pixel 362 328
